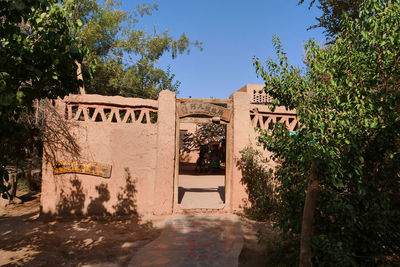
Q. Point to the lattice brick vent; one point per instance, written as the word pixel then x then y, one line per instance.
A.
pixel 95 113
pixel 264 120
pixel 261 97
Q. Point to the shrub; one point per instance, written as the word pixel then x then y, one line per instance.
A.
pixel 348 106
pixel 259 183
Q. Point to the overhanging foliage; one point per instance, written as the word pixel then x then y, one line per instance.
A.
pixel 348 105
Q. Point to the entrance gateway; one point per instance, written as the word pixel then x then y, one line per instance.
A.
pixel 202 187
pixel 114 155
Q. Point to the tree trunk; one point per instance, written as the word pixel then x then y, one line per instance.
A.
pixel 28 172
pixel 308 218
pixel 80 77
pixel 13 182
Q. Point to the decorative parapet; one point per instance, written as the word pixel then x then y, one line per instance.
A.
pixel 112 109
pixel 261 117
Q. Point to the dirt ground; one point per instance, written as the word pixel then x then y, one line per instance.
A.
pixel 28 239
pixel 253 253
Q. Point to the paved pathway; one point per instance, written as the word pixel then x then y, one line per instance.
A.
pixel 194 240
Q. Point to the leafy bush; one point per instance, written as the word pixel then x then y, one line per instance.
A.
pixel 38 51
pixel 348 107
pixel 259 185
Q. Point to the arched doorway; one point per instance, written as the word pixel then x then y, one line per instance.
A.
pixel 202 157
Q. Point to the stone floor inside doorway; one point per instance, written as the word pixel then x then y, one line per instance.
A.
pixel 201 190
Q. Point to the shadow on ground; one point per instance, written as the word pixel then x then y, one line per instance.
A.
pixel 28 239
pixel 70 242
pixel 194 240
pixel 207 240
pixel 254 253
pixel 189 168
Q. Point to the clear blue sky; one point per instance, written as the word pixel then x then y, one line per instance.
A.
pixel 232 32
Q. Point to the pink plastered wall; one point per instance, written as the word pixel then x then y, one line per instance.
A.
pixel 137 137
pixel 127 134
pixel 250 111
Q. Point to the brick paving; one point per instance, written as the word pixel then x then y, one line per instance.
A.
pixel 194 240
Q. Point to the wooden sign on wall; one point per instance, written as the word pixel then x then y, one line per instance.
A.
pixel 203 108
pixel 91 168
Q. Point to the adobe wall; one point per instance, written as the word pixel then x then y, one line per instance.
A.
pixel 250 111
pixel 135 136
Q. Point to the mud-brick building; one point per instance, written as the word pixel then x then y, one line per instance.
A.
pixel 116 155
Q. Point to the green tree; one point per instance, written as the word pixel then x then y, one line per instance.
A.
pixel 333 12
pixel 125 54
pixel 204 134
pixel 347 104
pixel 38 51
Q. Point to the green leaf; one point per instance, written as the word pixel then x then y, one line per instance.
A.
pixel 19 96
pixel 349 207
pixel 73 49
pixel 19 4
pixel 339 184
